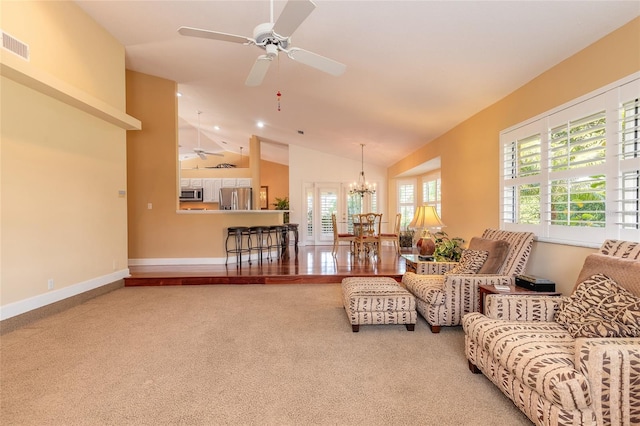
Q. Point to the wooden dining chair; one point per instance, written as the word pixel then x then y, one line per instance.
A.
pixel 337 236
pixel 367 230
pixel 395 235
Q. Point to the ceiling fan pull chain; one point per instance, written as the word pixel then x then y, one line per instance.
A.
pixel 278 94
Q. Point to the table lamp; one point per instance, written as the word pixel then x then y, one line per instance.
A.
pixel 426 219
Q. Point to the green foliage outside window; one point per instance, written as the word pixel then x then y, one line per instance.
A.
pixel 579 201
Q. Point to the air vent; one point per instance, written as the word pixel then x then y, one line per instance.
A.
pixel 14 45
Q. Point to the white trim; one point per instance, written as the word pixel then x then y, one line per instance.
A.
pixel 35 302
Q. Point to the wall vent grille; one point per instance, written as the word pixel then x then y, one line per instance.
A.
pixel 14 45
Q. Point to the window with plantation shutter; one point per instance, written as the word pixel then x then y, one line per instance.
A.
pixel 577 186
pixel 406 202
pixel 572 175
pixel 328 203
pixel 521 161
pixel 629 152
pixel 431 194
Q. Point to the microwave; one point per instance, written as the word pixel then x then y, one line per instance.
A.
pixel 191 194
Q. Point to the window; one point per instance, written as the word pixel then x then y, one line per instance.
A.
pixel 359 204
pixel 406 202
pixel 573 174
pixel 629 135
pixel 431 194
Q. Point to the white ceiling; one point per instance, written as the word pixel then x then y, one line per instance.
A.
pixel 415 69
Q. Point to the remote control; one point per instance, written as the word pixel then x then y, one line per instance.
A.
pixel 501 287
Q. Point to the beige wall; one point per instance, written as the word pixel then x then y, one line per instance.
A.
pixel 276 177
pixel 160 232
pixel 62 217
pixel 69 45
pixel 470 152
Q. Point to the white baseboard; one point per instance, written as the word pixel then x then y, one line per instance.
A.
pixel 16 308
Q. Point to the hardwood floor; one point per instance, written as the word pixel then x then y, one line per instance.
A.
pixel 312 264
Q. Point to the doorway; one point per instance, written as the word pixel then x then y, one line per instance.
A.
pixel 323 199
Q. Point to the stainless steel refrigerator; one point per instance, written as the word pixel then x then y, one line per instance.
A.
pixel 236 198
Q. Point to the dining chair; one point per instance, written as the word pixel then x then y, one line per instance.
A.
pixel 367 230
pixel 337 236
pixel 395 235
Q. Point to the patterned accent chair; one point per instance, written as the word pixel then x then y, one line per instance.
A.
pixel 444 299
pixel 585 371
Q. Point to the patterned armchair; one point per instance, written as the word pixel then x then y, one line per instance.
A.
pixel 568 360
pixel 444 299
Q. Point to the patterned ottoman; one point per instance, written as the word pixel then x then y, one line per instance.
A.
pixel 378 300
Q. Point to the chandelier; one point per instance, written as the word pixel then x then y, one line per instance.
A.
pixel 362 186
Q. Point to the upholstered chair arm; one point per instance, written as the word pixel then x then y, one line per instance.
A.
pixel 612 367
pixel 462 290
pixel 514 307
pixel 434 268
pixel 425 287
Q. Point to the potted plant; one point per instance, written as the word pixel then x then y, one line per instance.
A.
pixel 282 204
pixel 406 238
pixel 447 249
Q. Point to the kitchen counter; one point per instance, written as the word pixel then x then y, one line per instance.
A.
pixel 202 211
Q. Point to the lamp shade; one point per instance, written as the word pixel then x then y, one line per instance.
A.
pixel 426 217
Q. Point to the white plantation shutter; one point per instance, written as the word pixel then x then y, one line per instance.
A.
pixel 572 175
pixel 577 151
pixel 406 202
pixel 431 194
pixel 328 203
pixel 628 210
pixel 309 195
pixel 521 167
pixel 578 143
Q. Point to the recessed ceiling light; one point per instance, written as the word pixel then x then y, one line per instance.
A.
pixel 216 127
pixel 178 94
pixel 260 124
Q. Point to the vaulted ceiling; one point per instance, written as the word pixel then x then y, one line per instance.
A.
pixel 415 69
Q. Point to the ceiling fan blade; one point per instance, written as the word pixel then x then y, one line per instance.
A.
pixel 214 35
pixel 201 155
pixel 293 14
pixel 258 71
pixel 217 154
pixel 316 61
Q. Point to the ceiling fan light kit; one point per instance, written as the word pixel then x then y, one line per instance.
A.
pixel 269 36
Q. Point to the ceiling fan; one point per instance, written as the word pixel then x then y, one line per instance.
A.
pixel 202 153
pixel 275 38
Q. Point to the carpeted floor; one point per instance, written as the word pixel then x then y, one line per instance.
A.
pixel 251 354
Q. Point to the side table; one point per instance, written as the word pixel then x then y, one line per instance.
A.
pixel 426 267
pixel 483 290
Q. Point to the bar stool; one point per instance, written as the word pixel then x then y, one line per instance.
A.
pixel 293 227
pixel 257 235
pixel 238 233
pixel 275 239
